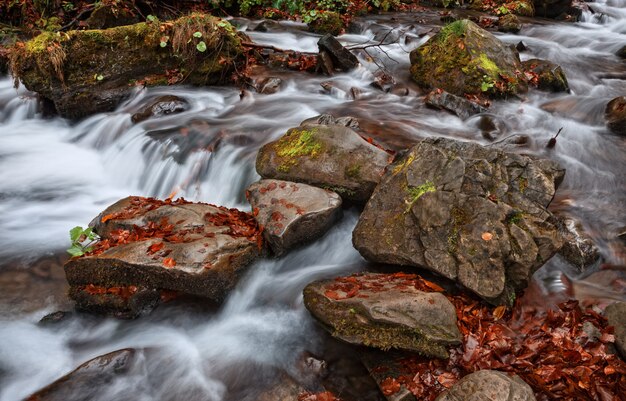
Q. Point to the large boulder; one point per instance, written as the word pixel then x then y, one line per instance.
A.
pixel 88 381
pixel 489 385
pixel 553 8
pixel 292 213
pixel 473 214
pixel 464 59
pixel 85 72
pixel 385 311
pixel 192 248
pixel 329 156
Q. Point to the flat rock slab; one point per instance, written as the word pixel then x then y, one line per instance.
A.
pixel 489 385
pixel 385 311
pixel 333 157
pixel 123 302
pixel 474 214
pixel 87 381
pixel 457 105
pixel 193 248
pixel 292 213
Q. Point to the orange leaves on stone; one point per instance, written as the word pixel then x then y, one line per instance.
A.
pixel 322 396
pixel 169 262
pixel 389 386
pixel 487 236
pixel 123 292
pixel 106 218
pixel 154 248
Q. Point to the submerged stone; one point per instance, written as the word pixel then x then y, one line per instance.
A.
pixel 550 76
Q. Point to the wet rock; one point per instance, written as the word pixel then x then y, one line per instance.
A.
pixel 342 58
pixel 521 46
pixel 509 23
pixel 122 302
pixel 55 317
pixel 325 63
pixel 108 16
pixel 465 59
pixel 383 82
pixel 621 53
pixel 457 105
pixel 399 90
pixel 192 248
pixel 386 367
pixel 286 389
pixel 269 85
pixel 327 119
pixel 87 380
pixel 266 26
pixel 356 93
pixel 550 76
pixel 327 22
pixel 329 156
pixel 473 214
pixel 578 247
pixel 4 60
pixel 162 106
pixel 85 72
pixel 384 311
pixel 292 213
pixel 553 8
pixel 615 115
pixel 489 385
pixel 616 316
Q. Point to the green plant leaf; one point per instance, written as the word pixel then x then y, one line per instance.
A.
pixel 99 77
pixel 152 18
pixel 75 233
pixel 197 34
pixel 484 86
pixel 76 250
pixel 163 44
pixel 201 46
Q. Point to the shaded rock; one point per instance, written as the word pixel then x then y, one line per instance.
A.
pixel 383 81
pixel 86 381
pixel 327 22
pixel 193 248
pixel 4 60
pixel 616 316
pixel 85 72
pixel 269 85
pixel 521 46
pixel 327 119
pixel 509 23
pixel 328 156
pixel 162 106
pixel 473 214
pixel 54 318
pixel 578 247
pixel 108 16
pixel 465 59
pixel 553 8
pixel 386 367
pixel 292 213
pixel 266 25
pixel 325 63
pixel 286 390
pixel 550 76
pixel 457 105
pixel 399 90
pixel 384 311
pixel 123 302
pixel 489 385
pixel 342 58
pixel 615 115
pixel 621 53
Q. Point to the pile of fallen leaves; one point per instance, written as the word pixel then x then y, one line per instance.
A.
pixel 323 396
pixel 553 350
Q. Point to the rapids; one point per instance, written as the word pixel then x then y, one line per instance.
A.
pixel 56 174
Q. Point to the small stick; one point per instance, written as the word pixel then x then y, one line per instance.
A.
pixel 552 141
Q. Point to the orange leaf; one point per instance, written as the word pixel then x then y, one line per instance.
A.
pixel 487 236
pixel 499 312
pixel 169 262
pixel 106 218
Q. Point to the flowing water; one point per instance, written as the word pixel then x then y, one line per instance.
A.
pixel 55 174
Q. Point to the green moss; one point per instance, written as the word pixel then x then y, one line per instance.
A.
pixel 341 191
pixel 298 142
pixel 417 192
pixel 327 22
pixel 514 217
pixel 353 171
pixel 456 28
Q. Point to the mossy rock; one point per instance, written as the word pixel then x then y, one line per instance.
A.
pixel 332 157
pixel 85 72
pixel 107 16
pixel 384 311
pixel 465 59
pixel 550 76
pixel 327 22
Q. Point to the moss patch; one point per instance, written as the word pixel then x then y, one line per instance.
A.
pixel 417 192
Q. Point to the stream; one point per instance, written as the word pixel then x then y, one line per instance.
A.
pixel 56 174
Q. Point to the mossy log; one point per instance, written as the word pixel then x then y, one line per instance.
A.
pixel 85 72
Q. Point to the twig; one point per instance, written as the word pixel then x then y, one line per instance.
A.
pixel 72 22
pixel 276 49
pixel 552 141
